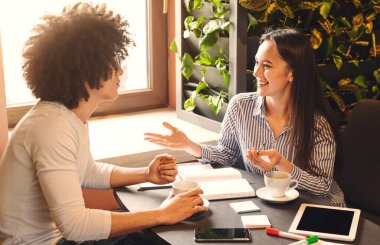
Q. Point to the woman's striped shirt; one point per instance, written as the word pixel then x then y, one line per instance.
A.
pixel 245 126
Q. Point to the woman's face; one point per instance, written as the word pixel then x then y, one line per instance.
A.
pixel 273 74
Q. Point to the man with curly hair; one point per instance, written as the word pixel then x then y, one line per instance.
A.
pixel 71 64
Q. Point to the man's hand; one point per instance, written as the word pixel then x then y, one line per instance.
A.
pixel 162 169
pixel 180 207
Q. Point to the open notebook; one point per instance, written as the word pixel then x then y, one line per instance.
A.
pixel 219 183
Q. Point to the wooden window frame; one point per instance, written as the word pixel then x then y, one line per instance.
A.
pixel 155 96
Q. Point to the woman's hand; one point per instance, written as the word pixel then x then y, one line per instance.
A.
pixel 180 207
pixel 176 140
pixel 267 159
pixel 162 169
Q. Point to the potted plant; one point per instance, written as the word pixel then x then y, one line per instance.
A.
pixel 205 60
pixel 342 32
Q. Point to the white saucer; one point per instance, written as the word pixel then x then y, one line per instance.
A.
pixel 290 195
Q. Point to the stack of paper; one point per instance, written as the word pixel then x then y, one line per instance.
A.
pixel 255 221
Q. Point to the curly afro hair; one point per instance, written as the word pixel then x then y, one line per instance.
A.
pixel 83 44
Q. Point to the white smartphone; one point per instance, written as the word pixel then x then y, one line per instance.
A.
pixel 222 235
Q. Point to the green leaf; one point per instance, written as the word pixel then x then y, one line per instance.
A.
pixel 337 61
pixel 309 5
pixel 315 38
pixel 356 32
pixel 355 62
pixel 187 66
pixel 187 22
pixel 252 21
pixel 326 25
pixel 225 25
pixel 358 95
pixel 222 68
pixel 212 26
pixel 189 104
pixel 326 87
pixel 189 5
pixel 284 8
pixel 208 40
pixel 219 8
pixel 376 75
pixel 205 59
pixel 200 21
pixel 325 9
pixel 201 85
pixel 345 22
pixel 198 4
pixel 203 73
pixel 360 81
pixel 192 5
pixel 338 100
pixel 329 47
pixel 342 49
pixel 173 47
pixel 218 3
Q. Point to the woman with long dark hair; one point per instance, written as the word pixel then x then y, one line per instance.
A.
pixel 285 125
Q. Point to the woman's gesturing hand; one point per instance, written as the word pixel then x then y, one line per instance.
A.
pixel 267 159
pixel 176 140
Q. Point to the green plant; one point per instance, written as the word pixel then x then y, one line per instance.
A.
pixel 350 90
pixel 207 30
pixel 340 31
pixel 213 98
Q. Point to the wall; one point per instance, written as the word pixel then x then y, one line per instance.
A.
pixel 3 108
pixel 171 55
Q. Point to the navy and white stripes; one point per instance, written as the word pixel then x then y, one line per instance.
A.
pixel 245 126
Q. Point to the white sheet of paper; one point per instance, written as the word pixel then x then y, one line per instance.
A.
pixel 244 207
pixel 255 221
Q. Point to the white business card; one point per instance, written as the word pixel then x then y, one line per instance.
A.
pixel 255 221
pixel 244 207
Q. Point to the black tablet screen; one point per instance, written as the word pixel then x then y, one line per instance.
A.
pixel 326 220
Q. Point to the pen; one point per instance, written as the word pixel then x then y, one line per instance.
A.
pixel 309 240
pixel 275 232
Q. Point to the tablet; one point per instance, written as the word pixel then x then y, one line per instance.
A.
pixel 326 221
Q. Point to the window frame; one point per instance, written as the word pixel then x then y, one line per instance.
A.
pixel 155 96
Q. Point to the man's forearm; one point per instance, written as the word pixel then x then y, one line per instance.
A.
pixel 122 176
pixel 127 222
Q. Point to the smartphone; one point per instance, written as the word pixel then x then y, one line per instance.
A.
pixel 222 235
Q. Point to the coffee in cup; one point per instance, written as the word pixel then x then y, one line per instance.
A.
pixel 279 182
pixel 184 186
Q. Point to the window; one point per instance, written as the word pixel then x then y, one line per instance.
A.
pixel 144 82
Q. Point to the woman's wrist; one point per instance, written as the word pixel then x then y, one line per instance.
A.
pixel 194 149
pixel 284 165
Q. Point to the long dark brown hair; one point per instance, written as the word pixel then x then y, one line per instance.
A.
pixel 307 96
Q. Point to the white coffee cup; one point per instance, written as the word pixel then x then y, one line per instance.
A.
pixel 184 186
pixel 279 182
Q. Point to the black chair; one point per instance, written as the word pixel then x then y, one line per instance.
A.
pixel 360 176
